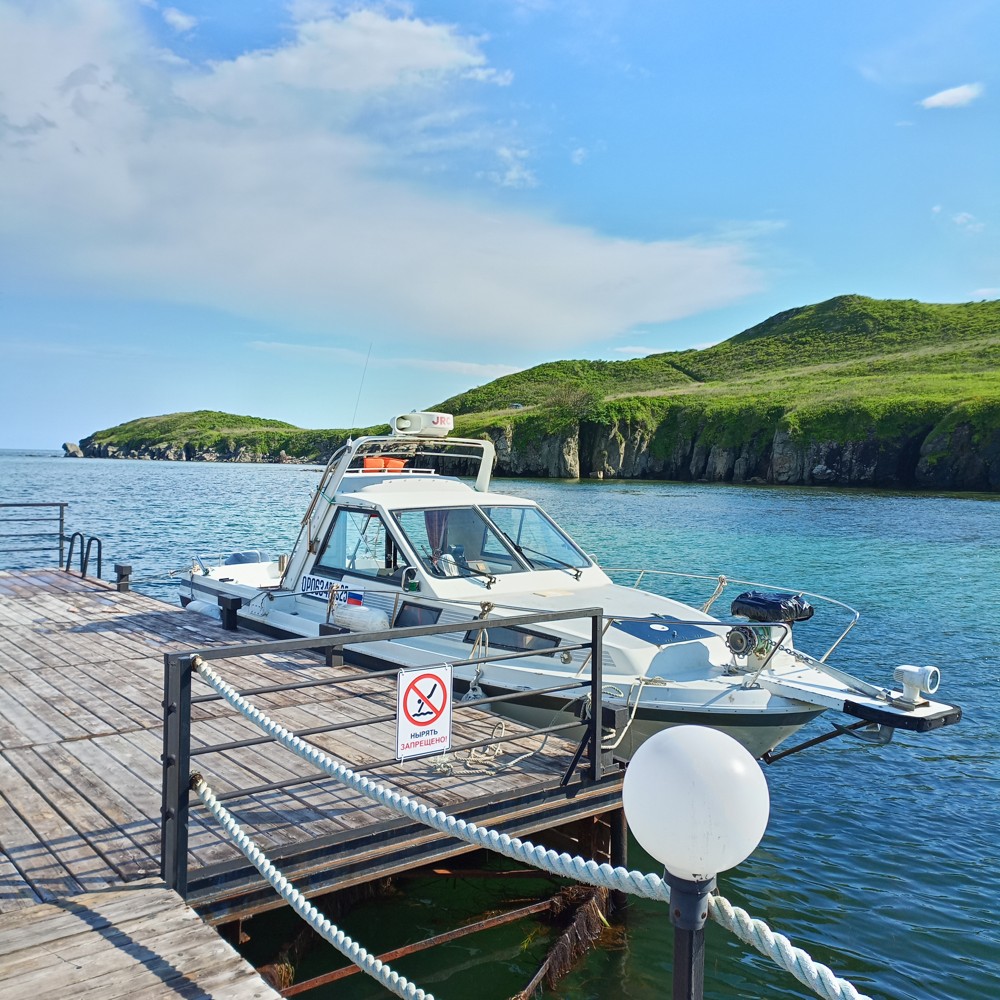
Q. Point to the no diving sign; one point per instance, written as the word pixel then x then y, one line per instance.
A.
pixel 423 711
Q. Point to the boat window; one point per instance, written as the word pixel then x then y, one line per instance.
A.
pixel 457 541
pixel 411 614
pixel 517 640
pixel 537 537
pixel 358 543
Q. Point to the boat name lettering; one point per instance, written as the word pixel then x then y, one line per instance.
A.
pixel 319 587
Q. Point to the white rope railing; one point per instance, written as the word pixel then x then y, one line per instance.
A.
pixel 752 931
pixel 349 948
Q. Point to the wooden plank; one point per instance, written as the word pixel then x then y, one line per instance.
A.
pixel 82 798
pixel 144 943
pixel 54 829
pixel 33 860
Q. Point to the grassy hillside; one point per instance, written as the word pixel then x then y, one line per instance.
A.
pixel 224 433
pixel 834 370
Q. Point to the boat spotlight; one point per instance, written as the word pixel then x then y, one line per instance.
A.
pixel 916 682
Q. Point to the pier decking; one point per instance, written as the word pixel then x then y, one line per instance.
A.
pixel 81 737
pixel 140 941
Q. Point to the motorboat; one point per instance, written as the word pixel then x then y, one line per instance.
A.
pixel 404 530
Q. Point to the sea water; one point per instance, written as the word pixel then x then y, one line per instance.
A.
pixel 881 862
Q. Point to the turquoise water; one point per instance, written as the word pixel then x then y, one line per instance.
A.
pixel 881 862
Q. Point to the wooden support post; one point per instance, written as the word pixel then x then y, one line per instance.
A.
pixel 230 605
pixel 123 577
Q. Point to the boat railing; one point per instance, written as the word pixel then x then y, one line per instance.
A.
pixel 583 699
pixel 34 528
pixel 722 583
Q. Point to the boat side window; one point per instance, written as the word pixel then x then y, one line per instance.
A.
pixel 517 640
pixel 359 544
pixel 411 614
pixel 537 537
pixel 457 541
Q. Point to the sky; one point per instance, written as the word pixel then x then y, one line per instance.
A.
pixel 330 213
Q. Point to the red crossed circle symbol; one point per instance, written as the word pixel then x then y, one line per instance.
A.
pixel 429 700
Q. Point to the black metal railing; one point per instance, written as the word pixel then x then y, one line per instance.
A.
pixel 584 692
pixel 86 544
pixel 31 527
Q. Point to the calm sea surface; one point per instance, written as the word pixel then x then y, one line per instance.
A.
pixel 883 863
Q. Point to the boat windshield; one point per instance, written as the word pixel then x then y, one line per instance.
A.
pixel 458 541
pixel 537 538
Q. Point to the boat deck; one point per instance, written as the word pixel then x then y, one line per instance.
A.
pixel 81 671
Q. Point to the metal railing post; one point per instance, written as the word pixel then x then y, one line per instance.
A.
pixel 62 530
pixel 596 695
pixel 176 771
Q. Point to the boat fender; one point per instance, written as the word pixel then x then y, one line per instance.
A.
pixel 359 619
pixel 204 608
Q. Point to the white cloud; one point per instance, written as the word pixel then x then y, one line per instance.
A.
pixel 986 293
pixel 954 97
pixel 178 20
pixel 578 156
pixel 259 186
pixel 968 222
pixel 345 355
pixel 638 352
pixel 515 174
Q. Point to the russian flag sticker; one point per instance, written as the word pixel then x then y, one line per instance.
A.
pixel 354 597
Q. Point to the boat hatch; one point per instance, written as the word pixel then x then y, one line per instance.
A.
pixel 662 631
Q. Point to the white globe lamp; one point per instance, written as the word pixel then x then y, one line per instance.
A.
pixel 697 801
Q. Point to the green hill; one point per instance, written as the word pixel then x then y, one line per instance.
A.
pixel 225 435
pixel 851 369
pixel 831 370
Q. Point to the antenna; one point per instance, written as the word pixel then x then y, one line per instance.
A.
pixel 361 384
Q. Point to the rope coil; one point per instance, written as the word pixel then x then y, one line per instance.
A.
pixel 751 931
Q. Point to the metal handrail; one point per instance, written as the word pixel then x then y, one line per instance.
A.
pixel 179 669
pixel 725 581
pixel 60 539
pixel 84 553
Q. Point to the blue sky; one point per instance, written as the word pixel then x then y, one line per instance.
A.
pixel 328 213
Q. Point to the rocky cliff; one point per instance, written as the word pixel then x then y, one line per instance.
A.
pixel 941 457
pixel 234 452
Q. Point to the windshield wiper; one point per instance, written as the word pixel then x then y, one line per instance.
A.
pixel 522 549
pixel 517 548
pixel 465 568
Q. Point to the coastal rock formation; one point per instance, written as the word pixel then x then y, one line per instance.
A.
pixel 72 450
pixel 953 453
pixel 941 458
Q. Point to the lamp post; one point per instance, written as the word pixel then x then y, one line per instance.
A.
pixel 697 801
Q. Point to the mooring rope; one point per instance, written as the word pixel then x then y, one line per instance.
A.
pixel 349 948
pixel 752 931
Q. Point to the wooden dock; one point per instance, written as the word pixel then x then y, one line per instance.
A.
pixel 81 737
pixel 140 941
